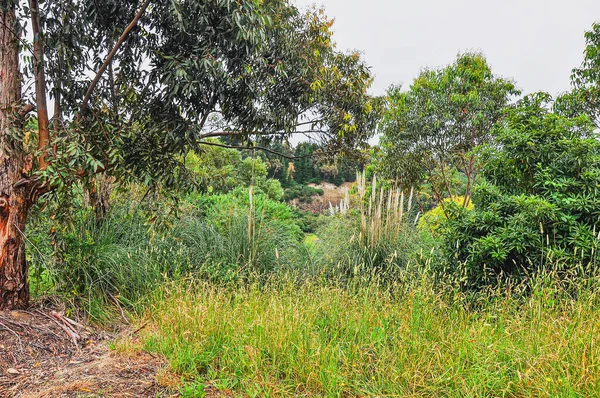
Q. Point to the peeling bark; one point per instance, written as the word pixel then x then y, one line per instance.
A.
pixel 14 202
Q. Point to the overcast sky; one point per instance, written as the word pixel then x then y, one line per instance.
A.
pixel 535 42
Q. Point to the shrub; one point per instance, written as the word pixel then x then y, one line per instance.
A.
pixel 232 238
pixel 539 207
pixel 303 193
pixel 430 221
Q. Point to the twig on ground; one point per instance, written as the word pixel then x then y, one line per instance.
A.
pixel 68 320
pixel 10 330
pixel 120 308
pixel 136 331
pixel 64 325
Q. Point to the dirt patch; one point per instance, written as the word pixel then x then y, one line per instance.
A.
pixel 332 196
pixel 45 354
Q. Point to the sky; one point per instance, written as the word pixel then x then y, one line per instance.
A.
pixel 534 42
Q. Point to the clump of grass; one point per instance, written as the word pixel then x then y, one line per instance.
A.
pixel 320 340
pixel 383 213
pixel 116 261
pixel 372 233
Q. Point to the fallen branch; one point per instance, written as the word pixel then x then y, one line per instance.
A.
pixel 65 326
pixel 64 318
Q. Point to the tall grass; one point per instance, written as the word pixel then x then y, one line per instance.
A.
pixel 318 340
pixel 382 212
pixel 372 234
pixel 117 261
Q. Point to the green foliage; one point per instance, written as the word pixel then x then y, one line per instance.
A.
pixel 341 250
pixel 221 170
pixel 431 129
pixel 585 98
pixel 305 168
pixel 219 208
pixel 215 169
pixel 312 167
pixel 539 207
pixel 377 239
pixel 220 238
pixel 434 218
pixel 187 72
pixel 303 193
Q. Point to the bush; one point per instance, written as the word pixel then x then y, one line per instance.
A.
pixel 431 221
pixel 539 207
pixel 220 238
pixel 303 193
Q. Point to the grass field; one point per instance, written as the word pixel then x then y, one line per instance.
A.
pixel 316 340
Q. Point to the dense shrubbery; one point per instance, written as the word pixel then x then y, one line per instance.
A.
pixel 303 193
pixel 221 238
pixel 539 207
pixel 220 170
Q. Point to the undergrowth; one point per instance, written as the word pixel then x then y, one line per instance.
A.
pixel 317 339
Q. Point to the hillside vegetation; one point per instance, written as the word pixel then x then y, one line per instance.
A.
pixel 170 200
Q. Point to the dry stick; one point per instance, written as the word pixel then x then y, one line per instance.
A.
pixel 41 328
pixel 72 322
pixel 10 330
pixel 136 331
pixel 16 335
pixel 73 335
pixel 120 308
pixel 110 57
pixel 67 328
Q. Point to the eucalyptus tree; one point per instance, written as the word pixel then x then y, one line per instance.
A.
pixel 431 130
pixel 136 85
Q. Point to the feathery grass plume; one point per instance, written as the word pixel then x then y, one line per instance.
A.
pixel 382 211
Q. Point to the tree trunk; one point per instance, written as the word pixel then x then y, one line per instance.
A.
pixel 97 195
pixel 14 202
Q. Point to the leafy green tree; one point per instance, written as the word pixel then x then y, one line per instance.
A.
pixel 167 72
pixel 585 98
pixel 430 130
pixel 305 169
pixel 539 204
pixel 215 169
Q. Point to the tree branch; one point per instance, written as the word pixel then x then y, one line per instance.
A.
pixel 111 55
pixel 40 84
pixel 290 157
pixel 26 109
pixel 216 134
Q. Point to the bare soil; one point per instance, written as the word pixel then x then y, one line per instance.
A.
pixel 45 354
pixel 332 194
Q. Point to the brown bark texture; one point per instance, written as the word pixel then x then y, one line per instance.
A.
pixel 14 202
pixel 40 83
